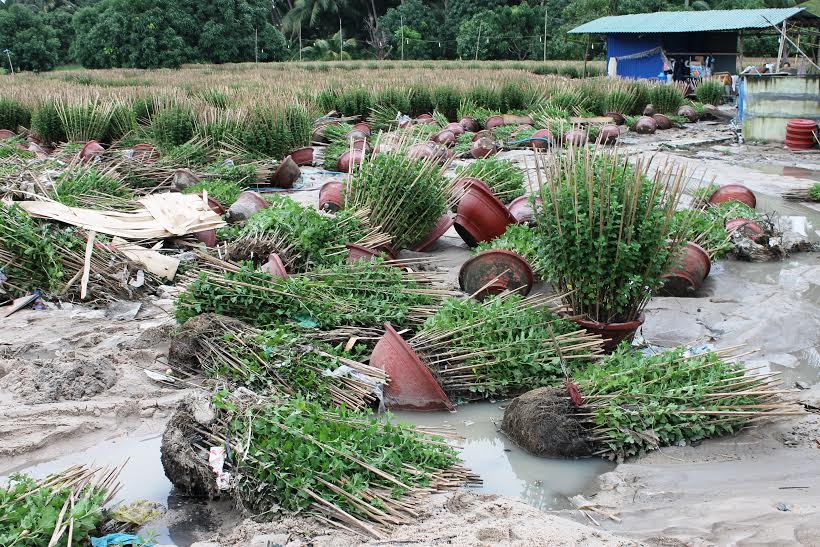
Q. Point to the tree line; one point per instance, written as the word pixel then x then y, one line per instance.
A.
pixel 42 34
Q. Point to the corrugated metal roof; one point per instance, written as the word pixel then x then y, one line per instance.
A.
pixel 689 21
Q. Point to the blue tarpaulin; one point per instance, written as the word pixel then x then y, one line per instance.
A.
pixel 637 56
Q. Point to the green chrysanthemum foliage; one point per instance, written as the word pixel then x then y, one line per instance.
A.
pixel 604 225
pixel 277 361
pixel 90 187
pixel 814 192
pixel 224 191
pixel 46 124
pixel 13 115
pixel 30 510
pixel 362 294
pixel 703 227
pixel 352 466
pixel 642 402
pixel 523 240
pixel 172 126
pixel 667 98
pixel 404 197
pixel 29 258
pixel 304 237
pixel 710 92
pixel 500 347
pixel 9 148
pixel 504 178
pixel 275 131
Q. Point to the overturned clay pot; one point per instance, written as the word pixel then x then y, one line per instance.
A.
pixel 469 124
pixel 575 137
pixel 245 206
pixel 689 113
pixel 483 148
pixel 542 138
pixel 688 272
pixel 481 216
pixel 184 179
pixel 495 271
pixel 663 121
pixel 303 156
pixel 646 125
pixel 734 192
pixel 91 150
pixel 608 134
pixel 442 225
pixel 521 209
pixel 331 196
pixel 286 174
pixel 349 160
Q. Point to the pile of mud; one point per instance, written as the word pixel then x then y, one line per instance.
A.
pixel 41 381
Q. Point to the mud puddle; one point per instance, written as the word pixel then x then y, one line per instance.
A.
pixel 784 170
pixel 504 467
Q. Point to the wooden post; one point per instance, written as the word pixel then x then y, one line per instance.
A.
pixel 740 51
pixel 477 40
pixel 586 55
pixel 781 50
pixel 545 33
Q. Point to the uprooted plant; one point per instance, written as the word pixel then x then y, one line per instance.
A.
pixel 405 197
pixel 352 467
pixel 365 294
pixel 605 226
pixel 277 361
pixel 500 347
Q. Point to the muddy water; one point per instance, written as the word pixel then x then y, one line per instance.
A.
pixel 505 468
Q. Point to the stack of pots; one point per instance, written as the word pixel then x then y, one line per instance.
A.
pixel 801 134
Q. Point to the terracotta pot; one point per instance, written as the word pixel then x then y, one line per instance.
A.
pixel 484 133
pixel 649 110
pixel 331 196
pixel 483 148
pixel 303 156
pixel 608 134
pixel 617 117
pixel 91 150
pixel 349 159
pixel 145 153
pixel 286 174
pixel 318 135
pixel 542 139
pixel 469 124
pixel 246 205
pixel 208 237
pixel 359 144
pixel 689 113
pixel 184 179
pixel 646 125
pixel 455 127
pixel 215 206
pixel 411 386
pixel 429 151
pixel 663 121
pixel 363 127
pixel 442 225
pixel 7 134
pixel 521 209
pixel 481 216
pixel 494 271
pixel 734 192
pixel 445 137
pixel 575 137
pixel 37 150
pixel 275 267
pixel 514 119
pixel 357 253
pixel 612 333
pixel 689 271
pixel 801 134
pixel 356 135
pixel 424 117
pixel 494 121
pixel 749 228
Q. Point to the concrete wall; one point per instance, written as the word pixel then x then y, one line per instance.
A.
pixel 769 102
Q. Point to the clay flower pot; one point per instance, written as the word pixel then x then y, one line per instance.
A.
pixel 91 150
pixel 494 121
pixel 521 209
pixel 444 137
pixel 331 196
pixel 688 272
pixel 609 134
pixel 215 206
pixel 663 121
pixel 575 137
pixel 275 267
pixel 469 124
pixel 364 128
pixel 286 174
pixel 208 237
pixel 357 253
pixel 429 151
pixel 145 153
pixel 318 135
pixel 455 127
pixel 183 179
pixel 356 135
pixel 481 216
pixel 484 133
pixel 37 150
pixel 411 386
pixel 7 134
pixel 246 205
pixel 424 117
pixel 612 333
pixel 617 117
pixel 483 148
pixel 748 228
pixel 443 224
pixel 646 125
pixel 542 139
pixel 494 271
pixel 734 192
pixel 303 156
pixel 349 159
pixel 689 113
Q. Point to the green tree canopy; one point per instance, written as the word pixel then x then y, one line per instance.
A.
pixel 32 42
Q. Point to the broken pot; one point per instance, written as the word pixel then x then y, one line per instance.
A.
pixel 412 385
pixel 275 267
pixel 494 271
pixel 689 271
pixel 331 196
pixel 480 215
pixel 733 192
pixel 443 224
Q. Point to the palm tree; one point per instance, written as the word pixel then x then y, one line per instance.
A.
pixel 309 13
pixel 325 50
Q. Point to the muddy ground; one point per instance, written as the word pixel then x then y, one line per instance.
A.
pixel 73 378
